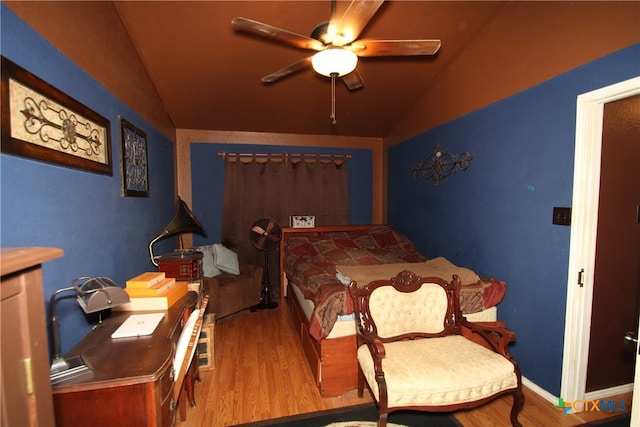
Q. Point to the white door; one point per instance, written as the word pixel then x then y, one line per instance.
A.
pixel 584 221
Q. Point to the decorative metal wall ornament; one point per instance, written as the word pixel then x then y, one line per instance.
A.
pixel 41 122
pixel 440 164
pixel 135 171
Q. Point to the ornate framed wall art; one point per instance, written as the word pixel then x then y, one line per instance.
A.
pixel 302 221
pixel 41 122
pixel 135 173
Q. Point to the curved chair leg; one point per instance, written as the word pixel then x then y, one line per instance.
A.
pixel 382 419
pixel 518 403
pixel 360 382
pixel 189 387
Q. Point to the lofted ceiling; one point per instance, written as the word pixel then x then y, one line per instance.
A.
pixel 209 76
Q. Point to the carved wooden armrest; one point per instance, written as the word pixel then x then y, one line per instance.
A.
pixel 489 334
pixel 376 347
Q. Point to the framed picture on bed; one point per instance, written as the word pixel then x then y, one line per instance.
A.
pixel 302 221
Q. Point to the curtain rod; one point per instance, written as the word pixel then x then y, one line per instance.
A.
pixel 224 154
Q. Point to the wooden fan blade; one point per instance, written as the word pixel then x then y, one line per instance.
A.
pixel 287 71
pixel 344 29
pixel 274 238
pixel 270 226
pixel 353 80
pixel 275 33
pixel 370 47
pixel 257 229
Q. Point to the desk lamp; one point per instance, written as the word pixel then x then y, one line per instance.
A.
pixel 93 294
pixel 184 221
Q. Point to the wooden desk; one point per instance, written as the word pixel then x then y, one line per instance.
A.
pixel 132 378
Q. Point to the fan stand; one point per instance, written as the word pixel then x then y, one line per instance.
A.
pixel 265 293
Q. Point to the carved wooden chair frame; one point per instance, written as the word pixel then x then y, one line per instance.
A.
pixel 488 334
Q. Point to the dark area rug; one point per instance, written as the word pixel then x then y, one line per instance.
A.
pixel 365 412
pixel 622 420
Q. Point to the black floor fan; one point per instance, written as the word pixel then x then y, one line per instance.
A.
pixel 265 235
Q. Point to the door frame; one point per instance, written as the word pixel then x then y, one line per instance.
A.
pixel 584 223
pixel 635 399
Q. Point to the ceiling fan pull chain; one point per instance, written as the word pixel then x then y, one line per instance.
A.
pixel 333 98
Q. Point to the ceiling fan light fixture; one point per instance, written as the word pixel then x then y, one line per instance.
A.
pixel 334 61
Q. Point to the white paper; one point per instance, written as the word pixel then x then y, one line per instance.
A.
pixel 138 325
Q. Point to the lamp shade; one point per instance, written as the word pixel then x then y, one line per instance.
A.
pixel 99 293
pixel 334 61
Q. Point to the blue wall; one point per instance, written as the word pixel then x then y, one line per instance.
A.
pixel 42 204
pixel 496 217
pixel 207 173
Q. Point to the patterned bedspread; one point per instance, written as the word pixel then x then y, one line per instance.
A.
pixel 477 293
pixel 310 264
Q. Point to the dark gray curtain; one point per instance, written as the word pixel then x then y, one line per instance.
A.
pixel 277 187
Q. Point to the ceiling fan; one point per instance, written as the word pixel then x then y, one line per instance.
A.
pixel 335 37
pixel 337 45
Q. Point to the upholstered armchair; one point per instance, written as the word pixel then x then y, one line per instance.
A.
pixel 232 285
pixel 417 352
pixel 231 293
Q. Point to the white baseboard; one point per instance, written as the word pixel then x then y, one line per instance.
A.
pixel 608 392
pixel 540 391
pixel 594 395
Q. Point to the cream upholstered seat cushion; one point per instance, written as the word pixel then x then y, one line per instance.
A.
pixel 452 370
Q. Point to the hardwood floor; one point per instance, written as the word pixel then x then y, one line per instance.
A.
pixel 260 373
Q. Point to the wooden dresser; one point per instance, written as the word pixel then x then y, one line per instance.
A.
pixel 26 391
pixel 132 378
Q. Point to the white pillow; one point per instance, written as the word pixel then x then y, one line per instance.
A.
pixel 225 259
pixel 209 269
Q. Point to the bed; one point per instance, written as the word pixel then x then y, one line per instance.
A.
pixel 317 264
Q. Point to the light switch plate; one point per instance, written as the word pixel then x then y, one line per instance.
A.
pixel 561 216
